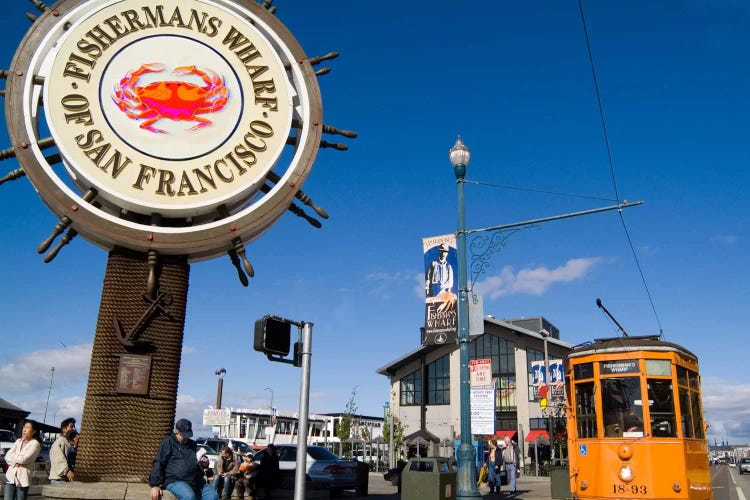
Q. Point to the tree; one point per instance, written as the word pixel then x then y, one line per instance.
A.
pixel 349 421
pixel 398 433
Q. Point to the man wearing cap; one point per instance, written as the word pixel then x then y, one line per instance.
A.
pixel 176 467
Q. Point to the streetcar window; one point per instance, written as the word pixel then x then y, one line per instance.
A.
pixel 661 408
pixel 687 420
pixel 583 371
pixel 658 367
pixel 682 377
pixel 693 380
pixel 623 407
pixel 586 410
pixel 697 418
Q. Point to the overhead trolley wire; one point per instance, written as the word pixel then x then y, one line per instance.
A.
pixel 612 165
pixel 517 188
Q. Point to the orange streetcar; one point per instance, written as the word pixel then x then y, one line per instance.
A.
pixel 635 421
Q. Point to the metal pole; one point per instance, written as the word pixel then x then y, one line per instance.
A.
pixel 304 403
pixel 51 376
pixel 466 483
pixel 545 334
pixel 271 391
pixel 391 461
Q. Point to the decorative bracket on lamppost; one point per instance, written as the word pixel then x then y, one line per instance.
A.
pixel 484 246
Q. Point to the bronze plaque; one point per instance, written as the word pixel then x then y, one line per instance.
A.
pixel 134 374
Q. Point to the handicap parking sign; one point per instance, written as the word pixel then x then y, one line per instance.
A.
pixel 582 450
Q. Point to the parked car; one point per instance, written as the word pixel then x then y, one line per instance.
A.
pixel 7 438
pixel 218 444
pixel 211 454
pixel 324 469
pixel 744 465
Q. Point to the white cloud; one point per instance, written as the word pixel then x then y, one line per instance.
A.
pixel 29 372
pixel 191 408
pixel 727 410
pixel 534 281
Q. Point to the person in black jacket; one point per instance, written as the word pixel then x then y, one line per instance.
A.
pixel 268 476
pixel 176 467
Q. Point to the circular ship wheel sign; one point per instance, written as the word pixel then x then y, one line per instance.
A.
pixel 170 115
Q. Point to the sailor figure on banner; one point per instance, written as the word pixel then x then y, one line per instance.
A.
pixel 441 290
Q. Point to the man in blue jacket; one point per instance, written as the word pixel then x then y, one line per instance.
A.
pixel 176 467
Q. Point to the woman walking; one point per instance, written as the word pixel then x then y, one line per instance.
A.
pixel 20 458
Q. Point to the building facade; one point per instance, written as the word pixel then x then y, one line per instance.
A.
pixel 425 394
pixel 261 427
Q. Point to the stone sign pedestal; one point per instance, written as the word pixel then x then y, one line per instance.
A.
pixel 135 366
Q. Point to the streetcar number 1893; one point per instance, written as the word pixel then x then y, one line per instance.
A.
pixel 634 489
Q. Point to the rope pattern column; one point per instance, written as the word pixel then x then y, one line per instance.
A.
pixel 121 432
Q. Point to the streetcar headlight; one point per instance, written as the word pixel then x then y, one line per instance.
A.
pixel 626 473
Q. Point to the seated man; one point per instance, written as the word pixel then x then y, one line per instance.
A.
pixel 176 467
pixel 224 471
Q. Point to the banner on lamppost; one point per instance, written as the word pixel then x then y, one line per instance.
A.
pixel 441 290
pixel 556 379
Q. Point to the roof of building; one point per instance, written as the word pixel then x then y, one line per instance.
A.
pixel 414 354
pixel 421 434
pixel 6 406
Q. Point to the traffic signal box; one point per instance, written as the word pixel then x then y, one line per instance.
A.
pixel 273 337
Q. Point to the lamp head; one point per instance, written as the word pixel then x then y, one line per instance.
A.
pixel 459 155
pixel 221 372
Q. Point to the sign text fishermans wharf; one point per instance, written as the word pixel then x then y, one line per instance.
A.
pixel 148 105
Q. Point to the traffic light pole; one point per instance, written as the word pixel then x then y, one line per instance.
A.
pixel 304 405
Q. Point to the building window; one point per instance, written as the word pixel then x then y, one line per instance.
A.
pixel 438 382
pixel 506 421
pixel 260 431
pixel 502 354
pixel 538 424
pixel 411 389
pixel 532 355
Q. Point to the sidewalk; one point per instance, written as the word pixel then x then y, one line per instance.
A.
pixel 529 488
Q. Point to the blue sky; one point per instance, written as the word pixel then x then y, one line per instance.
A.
pixel 514 79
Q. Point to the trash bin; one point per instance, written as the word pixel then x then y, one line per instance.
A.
pixel 559 477
pixel 363 479
pixel 428 478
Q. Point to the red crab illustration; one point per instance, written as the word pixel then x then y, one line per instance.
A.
pixel 173 99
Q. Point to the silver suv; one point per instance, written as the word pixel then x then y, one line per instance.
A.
pixel 744 465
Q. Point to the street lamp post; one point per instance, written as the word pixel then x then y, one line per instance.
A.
pixel 271 391
pixel 219 389
pixel 466 485
pixel 544 333
pixel 51 376
pixel 220 373
pixel 389 414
